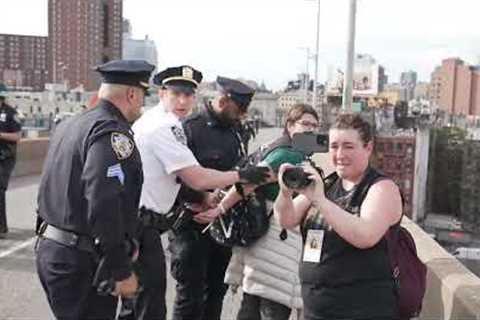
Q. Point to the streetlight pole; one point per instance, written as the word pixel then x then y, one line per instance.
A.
pixel 306 77
pixel 306 80
pixel 348 80
pixel 315 81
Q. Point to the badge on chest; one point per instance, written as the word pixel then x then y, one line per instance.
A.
pixel 312 251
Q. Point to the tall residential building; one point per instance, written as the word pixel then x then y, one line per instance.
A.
pixel 82 34
pixel 455 87
pixel 138 49
pixel 408 80
pixel 23 62
pixel 435 86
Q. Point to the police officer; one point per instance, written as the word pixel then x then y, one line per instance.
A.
pixel 166 160
pixel 88 199
pixel 198 263
pixel 10 133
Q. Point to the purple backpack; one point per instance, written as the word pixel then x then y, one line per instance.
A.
pixel 409 273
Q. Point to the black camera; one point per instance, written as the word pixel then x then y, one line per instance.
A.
pixel 307 143
pixel 296 178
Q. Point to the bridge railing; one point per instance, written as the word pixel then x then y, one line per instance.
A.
pixel 453 292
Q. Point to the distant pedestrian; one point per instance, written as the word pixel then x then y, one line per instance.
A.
pixel 257 123
pixel 10 134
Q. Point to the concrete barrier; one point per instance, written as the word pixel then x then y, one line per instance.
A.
pixel 453 292
pixel 31 154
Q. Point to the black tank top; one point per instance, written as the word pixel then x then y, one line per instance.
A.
pixel 348 283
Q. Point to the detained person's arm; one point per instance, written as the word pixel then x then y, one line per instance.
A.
pixel 381 208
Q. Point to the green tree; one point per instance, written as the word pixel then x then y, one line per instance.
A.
pixel 445 170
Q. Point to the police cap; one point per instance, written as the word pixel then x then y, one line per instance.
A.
pixel 183 78
pixel 239 92
pixel 127 72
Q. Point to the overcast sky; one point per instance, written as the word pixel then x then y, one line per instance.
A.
pixel 260 39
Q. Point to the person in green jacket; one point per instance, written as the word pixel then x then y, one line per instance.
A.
pixel 264 300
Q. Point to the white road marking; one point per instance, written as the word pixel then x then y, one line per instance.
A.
pixel 18 247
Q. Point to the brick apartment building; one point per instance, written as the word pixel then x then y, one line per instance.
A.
pixel 395 157
pixel 455 87
pixel 23 62
pixel 82 34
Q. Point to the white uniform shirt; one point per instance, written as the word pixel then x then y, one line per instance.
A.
pixel 160 138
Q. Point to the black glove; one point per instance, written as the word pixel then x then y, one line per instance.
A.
pixel 255 175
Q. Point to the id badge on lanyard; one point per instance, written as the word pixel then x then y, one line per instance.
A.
pixel 312 250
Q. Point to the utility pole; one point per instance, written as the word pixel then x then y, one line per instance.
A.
pixel 315 81
pixel 348 80
pixel 307 77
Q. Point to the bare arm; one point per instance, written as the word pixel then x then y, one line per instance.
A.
pixel 381 209
pixel 10 136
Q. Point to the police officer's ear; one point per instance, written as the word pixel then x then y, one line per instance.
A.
pixel 223 102
pixel 130 93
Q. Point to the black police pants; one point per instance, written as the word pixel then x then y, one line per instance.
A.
pixel 257 308
pixel 6 168
pixel 151 270
pixel 198 264
pixel 66 276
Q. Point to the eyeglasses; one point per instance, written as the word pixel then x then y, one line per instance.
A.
pixel 308 124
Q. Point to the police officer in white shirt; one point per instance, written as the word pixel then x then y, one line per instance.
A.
pixel 166 159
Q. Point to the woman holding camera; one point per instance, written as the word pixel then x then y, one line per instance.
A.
pixel 267 271
pixel 347 274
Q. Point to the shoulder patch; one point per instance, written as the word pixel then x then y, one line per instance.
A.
pixel 122 145
pixel 179 134
pixel 116 171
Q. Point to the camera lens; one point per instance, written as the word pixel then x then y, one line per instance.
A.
pixel 296 178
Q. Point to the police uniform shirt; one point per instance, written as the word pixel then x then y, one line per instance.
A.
pixel 216 145
pixel 163 147
pixel 92 181
pixel 9 123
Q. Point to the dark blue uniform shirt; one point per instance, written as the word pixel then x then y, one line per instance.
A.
pixel 92 181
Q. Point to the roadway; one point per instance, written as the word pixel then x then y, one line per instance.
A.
pixel 21 296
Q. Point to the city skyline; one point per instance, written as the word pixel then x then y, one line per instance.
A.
pixel 260 41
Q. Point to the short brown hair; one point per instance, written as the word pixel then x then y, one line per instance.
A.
pixel 296 112
pixel 354 121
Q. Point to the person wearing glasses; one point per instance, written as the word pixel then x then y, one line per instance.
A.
pixel 267 271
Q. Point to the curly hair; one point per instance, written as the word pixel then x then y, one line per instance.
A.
pixel 354 121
